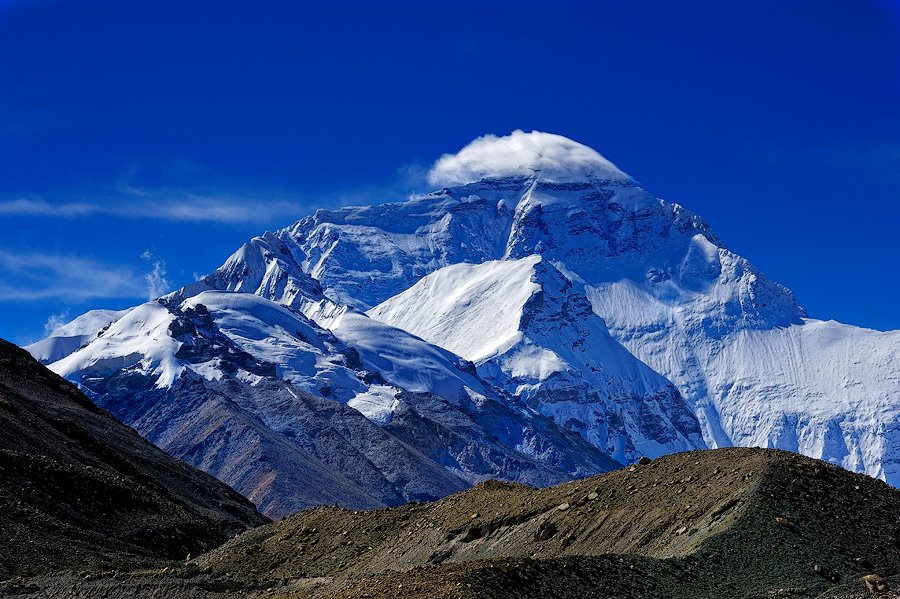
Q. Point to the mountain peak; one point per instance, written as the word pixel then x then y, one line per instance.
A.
pixel 551 157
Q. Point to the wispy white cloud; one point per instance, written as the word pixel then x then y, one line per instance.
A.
pixel 184 207
pixel 42 208
pixel 55 321
pixel 157 283
pixel 217 203
pixel 127 199
pixel 36 276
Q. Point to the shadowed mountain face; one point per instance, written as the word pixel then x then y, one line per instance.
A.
pixel 79 490
pixel 731 523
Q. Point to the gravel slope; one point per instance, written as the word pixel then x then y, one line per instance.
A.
pixel 727 523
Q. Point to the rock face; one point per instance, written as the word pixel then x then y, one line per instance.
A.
pixel 541 305
pixel 78 490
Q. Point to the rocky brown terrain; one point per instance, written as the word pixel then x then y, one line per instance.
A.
pixel 723 523
pixel 80 491
pixel 728 523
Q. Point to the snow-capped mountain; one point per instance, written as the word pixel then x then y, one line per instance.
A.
pixel 294 414
pixel 538 312
pixel 532 332
pixel 737 345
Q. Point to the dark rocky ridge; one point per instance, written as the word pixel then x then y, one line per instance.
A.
pixel 81 491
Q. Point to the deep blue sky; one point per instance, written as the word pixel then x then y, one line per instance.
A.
pixel 184 128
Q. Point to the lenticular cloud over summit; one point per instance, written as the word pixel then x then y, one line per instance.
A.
pixel 555 157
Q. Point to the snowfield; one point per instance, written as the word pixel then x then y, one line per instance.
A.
pixel 472 310
pixel 72 335
pixel 531 331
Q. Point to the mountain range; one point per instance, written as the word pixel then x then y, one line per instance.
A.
pixel 538 317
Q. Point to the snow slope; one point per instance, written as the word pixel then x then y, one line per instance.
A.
pixel 139 339
pixel 472 310
pixel 532 332
pixel 65 339
pixel 824 389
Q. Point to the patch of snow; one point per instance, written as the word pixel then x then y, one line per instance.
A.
pixel 209 370
pixel 377 403
pixel 530 362
pixel 249 377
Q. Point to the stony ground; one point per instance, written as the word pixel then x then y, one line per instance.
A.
pixel 732 523
pixel 727 523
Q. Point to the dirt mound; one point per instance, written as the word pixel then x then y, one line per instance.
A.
pixel 80 491
pixel 723 523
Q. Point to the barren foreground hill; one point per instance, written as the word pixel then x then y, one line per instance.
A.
pixel 81 491
pixel 722 523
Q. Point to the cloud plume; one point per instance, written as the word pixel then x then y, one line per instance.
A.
pixel 157 283
pixel 554 157
pixel 55 321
